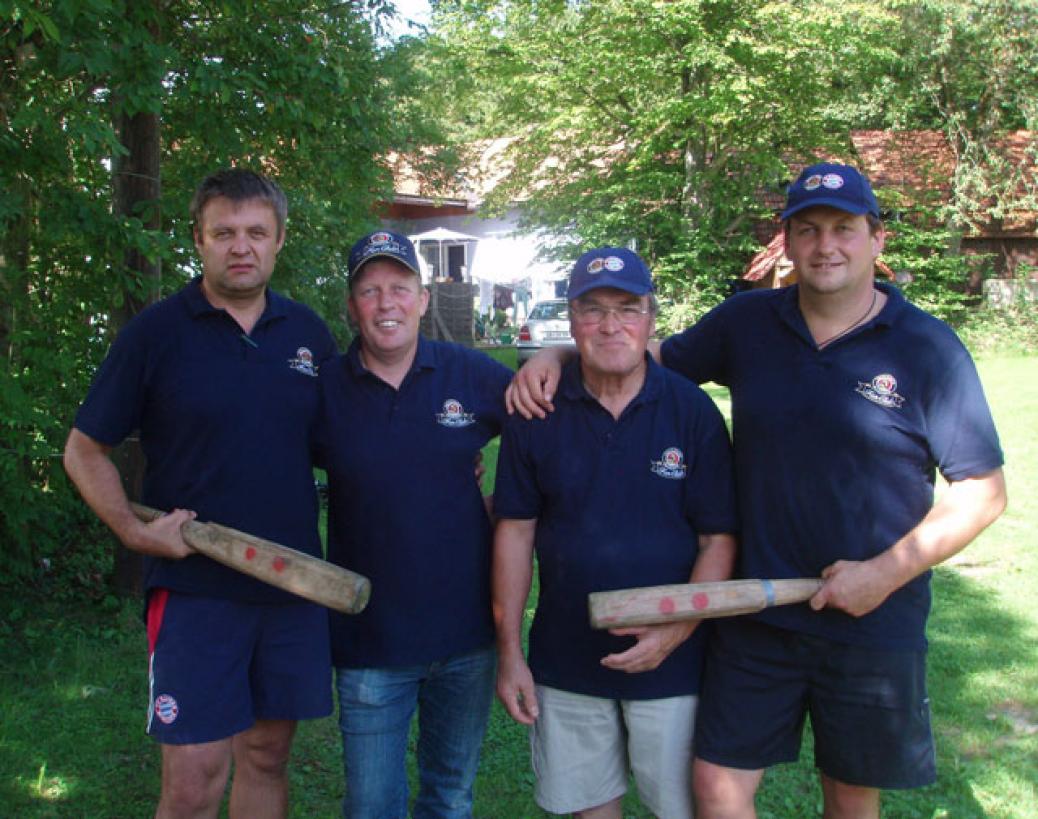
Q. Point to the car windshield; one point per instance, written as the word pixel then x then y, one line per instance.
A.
pixel 550 310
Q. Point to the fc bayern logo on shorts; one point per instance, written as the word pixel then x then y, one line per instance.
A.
pixel 454 414
pixel 882 390
pixel 166 708
pixel 303 362
pixel 670 465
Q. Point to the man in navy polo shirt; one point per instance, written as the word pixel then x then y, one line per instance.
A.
pixel 846 400
pixel 403 419
pixel 627 484
pixel 220 379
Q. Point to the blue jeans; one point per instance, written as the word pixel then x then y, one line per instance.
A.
pixel 453 699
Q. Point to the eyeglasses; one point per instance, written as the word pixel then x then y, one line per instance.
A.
pixel 627 314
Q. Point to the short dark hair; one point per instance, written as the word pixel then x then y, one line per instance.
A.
pixel 239 185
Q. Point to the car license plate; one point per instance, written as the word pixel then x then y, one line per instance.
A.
pixel 556 334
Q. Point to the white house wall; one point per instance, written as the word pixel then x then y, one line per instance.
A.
pixel 500 256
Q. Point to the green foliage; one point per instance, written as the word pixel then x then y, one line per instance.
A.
pixel 968 68
pixel 920 249
pixel 1004 330
pixel 300 90
pixel 968 64
pixel 661 123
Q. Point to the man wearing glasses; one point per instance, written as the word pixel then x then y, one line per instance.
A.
pixel 627 484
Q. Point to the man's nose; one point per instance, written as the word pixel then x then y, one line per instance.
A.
pixel 826 240
pixel 611 320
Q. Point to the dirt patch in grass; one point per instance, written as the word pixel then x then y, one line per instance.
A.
pixel 1023 721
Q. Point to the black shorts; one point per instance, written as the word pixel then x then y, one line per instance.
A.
pixel 870 713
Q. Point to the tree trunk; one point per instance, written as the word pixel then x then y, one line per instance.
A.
pixel 136 192
pixel 14 262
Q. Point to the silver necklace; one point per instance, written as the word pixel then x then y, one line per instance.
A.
pixel 846 330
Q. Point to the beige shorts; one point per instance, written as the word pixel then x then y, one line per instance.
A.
pixel 584 748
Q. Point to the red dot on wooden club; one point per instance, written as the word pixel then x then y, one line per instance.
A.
pixel 666 606
pixel 279 564
pixel 700 600
pixel 250 553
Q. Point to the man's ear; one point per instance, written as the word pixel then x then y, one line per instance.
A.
pixel 879 240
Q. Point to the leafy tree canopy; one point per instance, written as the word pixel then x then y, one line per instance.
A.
pixel 302 90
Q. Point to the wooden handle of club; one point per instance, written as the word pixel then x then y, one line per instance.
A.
pixel 317 580
pixel 652 605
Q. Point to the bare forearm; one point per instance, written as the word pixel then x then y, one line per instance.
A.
pixel 95 476
pixel 98 481
pixel 963 512
pixel 510 580
pixel 716 559
pixel 654 644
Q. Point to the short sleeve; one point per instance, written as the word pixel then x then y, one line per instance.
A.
pixel 516 493
pixel 698 352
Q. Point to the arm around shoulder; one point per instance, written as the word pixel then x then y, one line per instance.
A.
pixel 534 384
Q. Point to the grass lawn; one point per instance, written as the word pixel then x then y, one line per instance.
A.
pixel 73 690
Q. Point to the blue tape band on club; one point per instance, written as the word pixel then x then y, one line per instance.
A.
pixel 769 593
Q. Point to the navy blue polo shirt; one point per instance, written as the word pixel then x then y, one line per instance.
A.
pixel 404 507
pixel 619 503
pixel 225 421
pixel 836 449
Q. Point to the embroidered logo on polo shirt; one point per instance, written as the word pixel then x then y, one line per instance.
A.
pixel 303 362
pixel 882 390
pixel 166 708
pixel 670 465
pixel 454 414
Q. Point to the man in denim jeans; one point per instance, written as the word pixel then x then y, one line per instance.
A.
pixel 403 419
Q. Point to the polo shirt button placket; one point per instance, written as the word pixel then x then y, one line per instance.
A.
pixel 248 342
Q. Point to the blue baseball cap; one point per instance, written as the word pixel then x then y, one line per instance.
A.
pixel 383 244
pixel 838 186
pixel 610 267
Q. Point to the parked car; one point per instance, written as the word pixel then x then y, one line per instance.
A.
pixel 546 326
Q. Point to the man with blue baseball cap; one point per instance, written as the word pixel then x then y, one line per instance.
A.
pixel 402 421
pixel 846 401
pixel 627 484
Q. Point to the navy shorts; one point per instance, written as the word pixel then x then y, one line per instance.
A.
pixel 870 713
pixel 217 666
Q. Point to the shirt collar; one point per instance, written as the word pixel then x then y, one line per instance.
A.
pixel 199 305
pixel 788 308
pixel 426 357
